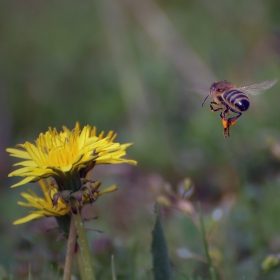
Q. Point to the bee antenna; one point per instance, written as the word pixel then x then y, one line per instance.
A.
pixel 204 100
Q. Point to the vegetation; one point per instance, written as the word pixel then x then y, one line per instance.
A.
pixel 138 68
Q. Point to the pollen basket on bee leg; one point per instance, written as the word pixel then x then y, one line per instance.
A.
pixel 225 123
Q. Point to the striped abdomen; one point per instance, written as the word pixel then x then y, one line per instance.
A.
pixel 237 99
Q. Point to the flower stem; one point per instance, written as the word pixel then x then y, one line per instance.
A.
pixel 72 238
pixel 113 268
pixel 84 248
pixel 80 263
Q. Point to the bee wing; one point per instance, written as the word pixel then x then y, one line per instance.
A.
pixel 258 88
pixel 203 91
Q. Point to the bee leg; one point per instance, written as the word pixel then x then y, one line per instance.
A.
pixel 233 120
pixel 226 126
pixel 212 107
pixel 226 133
pixel 224 113
pixel 225 122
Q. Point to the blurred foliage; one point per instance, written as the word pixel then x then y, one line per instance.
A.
pixel 136 67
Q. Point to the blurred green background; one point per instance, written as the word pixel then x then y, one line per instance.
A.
pixel 137 67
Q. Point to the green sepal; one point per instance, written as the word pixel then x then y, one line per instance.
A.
pixel 64 223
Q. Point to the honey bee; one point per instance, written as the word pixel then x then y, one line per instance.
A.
pixel 230 99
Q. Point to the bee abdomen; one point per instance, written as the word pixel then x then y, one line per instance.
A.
pixel 237 99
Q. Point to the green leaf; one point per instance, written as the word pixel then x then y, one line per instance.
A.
pixel 161 263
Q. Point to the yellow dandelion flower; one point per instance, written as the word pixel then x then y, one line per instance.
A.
pixel 44 206
pixel 65 154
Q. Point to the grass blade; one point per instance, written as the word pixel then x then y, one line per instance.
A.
pixel 161 263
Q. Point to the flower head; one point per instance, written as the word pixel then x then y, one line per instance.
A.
pixel 53 204
pixel 43 205
pixel 67 155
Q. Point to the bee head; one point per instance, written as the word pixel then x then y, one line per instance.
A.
pixel 212 89
pixel 215 87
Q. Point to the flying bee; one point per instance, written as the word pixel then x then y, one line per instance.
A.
pixel 229 98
